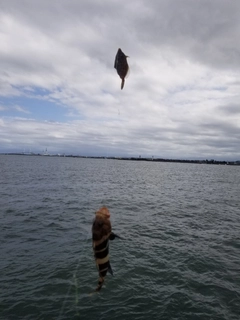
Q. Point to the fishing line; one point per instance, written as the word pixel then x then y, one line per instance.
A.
pixel 74 282
pixel 69 289
pixel 76 292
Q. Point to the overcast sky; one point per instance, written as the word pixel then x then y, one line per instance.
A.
pixel 60 91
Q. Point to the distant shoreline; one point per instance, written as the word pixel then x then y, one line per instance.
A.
pixel 211 161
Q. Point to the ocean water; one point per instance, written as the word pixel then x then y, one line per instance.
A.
pixel 180 253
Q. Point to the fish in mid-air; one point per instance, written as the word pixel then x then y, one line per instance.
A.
pixel 101 234
pixel 121 65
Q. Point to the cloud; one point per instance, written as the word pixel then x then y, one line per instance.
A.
pixel 14 108
pixel 181 98
pixel 230 110
pixel 20 109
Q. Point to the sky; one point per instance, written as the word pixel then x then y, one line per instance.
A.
pixel 59 90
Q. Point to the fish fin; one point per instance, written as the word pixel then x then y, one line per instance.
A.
pixel 116 236
pixel 113 236
pixel 128 73
pixel 110 269
pixel 122 85
pixel 116 61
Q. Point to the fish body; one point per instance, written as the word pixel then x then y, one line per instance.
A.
pixel 121 66
pixel 101 234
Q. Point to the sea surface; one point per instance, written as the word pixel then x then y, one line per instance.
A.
pixel 179 256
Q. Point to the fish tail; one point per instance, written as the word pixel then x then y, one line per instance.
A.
pixel 100 284
pixel 122 85
pixel 99 287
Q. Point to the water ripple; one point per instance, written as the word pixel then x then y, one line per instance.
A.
pixel 178 259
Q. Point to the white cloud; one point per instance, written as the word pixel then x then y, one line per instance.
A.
pixel 20 109
pixel 181 98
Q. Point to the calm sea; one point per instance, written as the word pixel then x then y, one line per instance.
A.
pixel 180 253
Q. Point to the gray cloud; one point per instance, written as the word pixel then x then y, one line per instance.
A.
pixel 182 95
pixel 229 110
pixel 205 31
